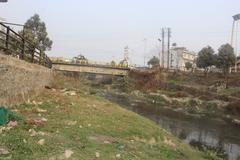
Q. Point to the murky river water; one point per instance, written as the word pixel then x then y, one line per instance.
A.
pixel 192 130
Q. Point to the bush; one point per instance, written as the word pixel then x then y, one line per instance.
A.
pixel 223 97
pixel 178 94
pixel 211 105
pixel 233 108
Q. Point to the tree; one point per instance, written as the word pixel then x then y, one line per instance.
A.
pixel 225 59
pixel 205 59
pixel 35 31
pixel 113 63
pixel 153 61
pixel 80 59
pixel 188 65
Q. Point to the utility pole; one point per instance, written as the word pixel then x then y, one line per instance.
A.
pixel 169 35
pixel 144 51
pixel 159 56
pixel 236 19
pixel 163 37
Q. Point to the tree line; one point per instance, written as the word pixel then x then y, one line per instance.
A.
pixel 207 58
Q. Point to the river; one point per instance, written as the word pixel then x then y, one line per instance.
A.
pixel 196 131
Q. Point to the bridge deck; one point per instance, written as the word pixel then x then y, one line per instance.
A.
pixel 97 69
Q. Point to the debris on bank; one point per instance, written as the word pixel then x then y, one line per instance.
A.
pixel 8 117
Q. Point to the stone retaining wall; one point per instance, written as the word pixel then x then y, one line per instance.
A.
pixel 20 79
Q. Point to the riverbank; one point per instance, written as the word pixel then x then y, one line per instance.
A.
pixel 69 122
pixel 188 93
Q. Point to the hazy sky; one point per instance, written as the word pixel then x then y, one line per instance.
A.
pixel 100 29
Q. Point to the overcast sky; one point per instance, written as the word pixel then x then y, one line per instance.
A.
pixel 100 29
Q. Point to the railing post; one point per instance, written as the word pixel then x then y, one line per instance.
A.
pixel 49 63
pixel 45 59
pixel 23 49
pixel 7 38
pixel 40 57
pixel 32 54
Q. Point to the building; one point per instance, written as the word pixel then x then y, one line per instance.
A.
pixel 60 59
pixel 179 57
pixel 238 65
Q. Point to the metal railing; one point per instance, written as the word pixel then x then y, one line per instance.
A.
pixel 16 45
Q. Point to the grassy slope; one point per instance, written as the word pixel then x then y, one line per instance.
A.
pixel 128 134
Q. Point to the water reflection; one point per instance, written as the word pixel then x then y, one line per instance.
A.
pixel 207 132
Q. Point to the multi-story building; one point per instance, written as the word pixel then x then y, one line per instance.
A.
pixel 179 57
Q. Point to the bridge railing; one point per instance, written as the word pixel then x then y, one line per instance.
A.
pixel 92 65
pixel 18 46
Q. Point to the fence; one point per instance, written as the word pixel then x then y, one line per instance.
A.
pixel 16 45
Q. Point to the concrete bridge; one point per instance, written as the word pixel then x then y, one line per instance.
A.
pixel 96 69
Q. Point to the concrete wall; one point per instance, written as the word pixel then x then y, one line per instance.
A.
pixel 20 79
pixel 91 69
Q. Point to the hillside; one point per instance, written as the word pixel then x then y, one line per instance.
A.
pixel 66 122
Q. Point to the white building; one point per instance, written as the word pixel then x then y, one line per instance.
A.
pixel 180 55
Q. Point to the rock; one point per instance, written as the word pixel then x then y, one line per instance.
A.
pixel 169 142
pixel 4 151
pixel 44 119
pixel 152 141
pixel 68 153
pixel 12 124
pixel 70 93
pixel 121 147
pixel 166 98
pixel 39 103
pixel 89 125
pixel 34 103
pixel 106 142
pixel 5 129
pixel 236 121
pixel 41 142
pixel 36 122
pixel 136 93
pixel 34 133
pixel 71 123
pixel 118 155
pixel 97 155
pixel 39 110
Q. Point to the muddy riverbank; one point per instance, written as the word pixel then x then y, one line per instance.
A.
pixel 200 131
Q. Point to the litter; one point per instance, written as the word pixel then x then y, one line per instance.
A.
pixel 6 115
